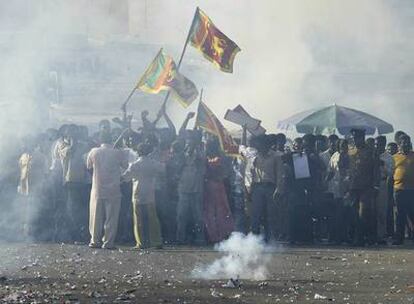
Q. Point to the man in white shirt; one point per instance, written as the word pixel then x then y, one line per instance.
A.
pixel 249 154
pixel 106 163
pixel 333 147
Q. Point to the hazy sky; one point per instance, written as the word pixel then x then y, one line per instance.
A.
pixel 296 54
pixel 301 54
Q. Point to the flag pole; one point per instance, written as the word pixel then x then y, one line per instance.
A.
pixel 200 101
pixel 182 55
pixel 125 103
pixel 187 40
pixel 201 94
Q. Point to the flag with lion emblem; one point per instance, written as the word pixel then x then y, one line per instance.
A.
pixel 212 43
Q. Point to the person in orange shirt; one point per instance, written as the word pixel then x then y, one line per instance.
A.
pixel 403 185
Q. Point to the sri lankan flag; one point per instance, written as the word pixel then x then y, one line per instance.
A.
pixel 209 122
pixel 210 41
pixel 162 75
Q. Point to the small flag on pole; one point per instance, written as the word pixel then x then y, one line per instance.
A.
pixel 207 121
pixel 162 75
pixel 209 40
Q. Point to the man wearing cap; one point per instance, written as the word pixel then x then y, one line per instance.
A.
pixel 363 184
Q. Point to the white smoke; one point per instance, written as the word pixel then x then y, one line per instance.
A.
pixel 244 258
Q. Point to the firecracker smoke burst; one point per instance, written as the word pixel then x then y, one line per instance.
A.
pixel 244 258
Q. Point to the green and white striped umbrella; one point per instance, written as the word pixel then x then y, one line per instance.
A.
pixel 335 118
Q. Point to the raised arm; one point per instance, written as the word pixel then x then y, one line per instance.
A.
pixel 170 124
pixel 190 115
pixel 146 124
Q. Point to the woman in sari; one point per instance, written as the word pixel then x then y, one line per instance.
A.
pixel 218 219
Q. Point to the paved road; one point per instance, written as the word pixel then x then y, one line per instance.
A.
pixel 52 273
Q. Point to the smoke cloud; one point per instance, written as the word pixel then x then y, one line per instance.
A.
pixel 244 258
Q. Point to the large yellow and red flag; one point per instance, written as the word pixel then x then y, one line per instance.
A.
pixel 212 43
pixel 162 75
pixel 209 122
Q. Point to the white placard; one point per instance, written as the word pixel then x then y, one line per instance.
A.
pixel 241 119
pixel 240 116
pixel 301 165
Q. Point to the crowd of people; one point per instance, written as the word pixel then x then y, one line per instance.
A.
pixel 156 186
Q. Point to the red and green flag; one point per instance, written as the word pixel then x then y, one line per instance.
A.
pixel 212 43
pixel 162 75
pixel 209 122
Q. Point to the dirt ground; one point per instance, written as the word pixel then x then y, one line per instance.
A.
pixel 53 273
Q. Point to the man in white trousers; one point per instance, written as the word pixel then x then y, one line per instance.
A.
pixel 106 163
